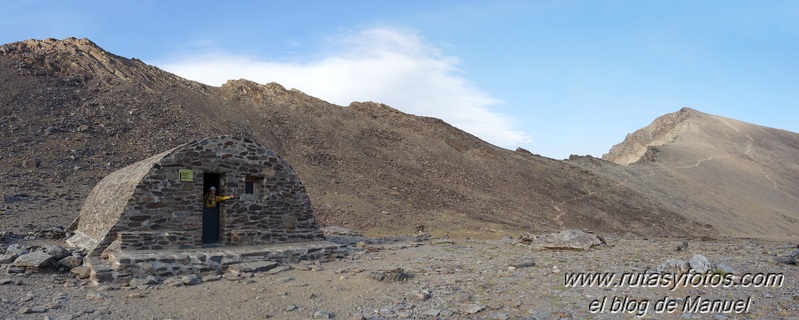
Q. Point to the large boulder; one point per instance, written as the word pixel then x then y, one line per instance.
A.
pixel 696 264
pixel 567 239
pixel 699 263
pixel 36 259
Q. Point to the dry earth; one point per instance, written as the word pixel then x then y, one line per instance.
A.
pixel 451 279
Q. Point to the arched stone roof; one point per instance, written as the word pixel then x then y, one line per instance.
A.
pixel 147 206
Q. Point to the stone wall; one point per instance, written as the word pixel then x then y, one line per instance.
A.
pixel 121 267
pixel 108 199
pixel 156 210
pixel 143 240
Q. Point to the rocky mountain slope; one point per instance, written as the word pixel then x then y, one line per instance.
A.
pixel 72 112
pixel 741 178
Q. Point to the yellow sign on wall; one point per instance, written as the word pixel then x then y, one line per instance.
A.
pixel 186 175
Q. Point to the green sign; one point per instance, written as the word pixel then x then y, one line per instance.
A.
pixel 186 175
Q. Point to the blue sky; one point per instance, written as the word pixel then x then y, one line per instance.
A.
pixel 555 77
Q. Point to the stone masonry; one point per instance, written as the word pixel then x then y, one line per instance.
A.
pixel 157 203
pixel 122 266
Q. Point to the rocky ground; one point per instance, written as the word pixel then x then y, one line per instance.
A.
pixel 430 279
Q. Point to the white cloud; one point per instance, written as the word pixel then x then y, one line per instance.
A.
pixel 382 65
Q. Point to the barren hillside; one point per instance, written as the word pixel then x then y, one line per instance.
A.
pixel 741 178
pixel 72 113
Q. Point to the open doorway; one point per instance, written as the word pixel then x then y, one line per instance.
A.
pixel 210 214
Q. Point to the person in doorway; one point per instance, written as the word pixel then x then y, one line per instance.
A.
pixel 211 198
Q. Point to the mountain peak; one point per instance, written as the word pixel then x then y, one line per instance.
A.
pixel 51 46
pixel 718 168
pixel 664 129
pixel 73 59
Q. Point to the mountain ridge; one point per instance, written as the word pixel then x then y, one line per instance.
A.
pixel 662 130
pixel 73 117
pixel 741 176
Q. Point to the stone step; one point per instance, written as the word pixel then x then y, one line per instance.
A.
pixel 121 266
pixel 254 266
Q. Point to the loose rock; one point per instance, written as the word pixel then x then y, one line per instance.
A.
pixel 96 296
pixel 394 275
pixel 191 280
pixel 672 265
pixel 13 269
pixel 699 263
pixel 322 314
pixel 471 308
pixel 16 249
pixel 724 268
pixel 58 252
pixel 567 239
pixel 82 272
pixel 431 312
pixel 212 277
pixel 420 296
pixel 7 258
pixel 70 262
pixel 278 269
pixel 523 264
pixel 150 280
pixel 36 309
pixel 36 259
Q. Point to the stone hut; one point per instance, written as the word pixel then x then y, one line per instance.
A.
pixel 157 203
